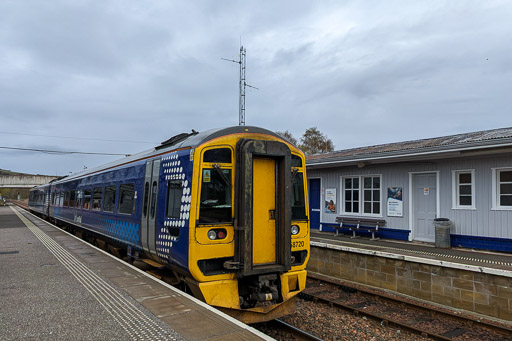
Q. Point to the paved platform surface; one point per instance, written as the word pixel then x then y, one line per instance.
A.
pixel 501 262
pixel 54 286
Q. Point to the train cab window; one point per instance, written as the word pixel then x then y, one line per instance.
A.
pixel 174 194
pixel 110 199
pixel 296 161
pixel 86 201
pixel 126 196
pixel 298 202
pixel 66 199
pixel 216 200
pixel 72 199
pixel 97 193
pixel 217 155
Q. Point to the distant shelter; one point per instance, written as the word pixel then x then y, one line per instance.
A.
pixel 466 178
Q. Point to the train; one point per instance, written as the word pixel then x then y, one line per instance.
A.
pixel 225 210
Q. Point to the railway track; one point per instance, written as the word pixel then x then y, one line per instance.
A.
pixel 290 332
pixel 421 321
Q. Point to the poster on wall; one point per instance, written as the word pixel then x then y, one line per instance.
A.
pixel 395 202
pixel 330 200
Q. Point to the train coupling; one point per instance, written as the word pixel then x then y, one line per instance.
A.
pixel 260 289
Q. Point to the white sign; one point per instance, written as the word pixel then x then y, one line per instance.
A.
pixel 426 191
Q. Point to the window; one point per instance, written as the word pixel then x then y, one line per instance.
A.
pixel 215 206
pixel 126 199
pixel 79 198
pixel 146 199
pixel 72 196
pixel 218 155
pixel 153 200
pixel 66 199
pixel 97 193
pixel 87 199
pixel 371 195
pixel 351 186
pixel 296 161
pixel 463 189
pixel 174 194
pixel 298 203
pixel 362 195
pixel 502 187
pixel 110 199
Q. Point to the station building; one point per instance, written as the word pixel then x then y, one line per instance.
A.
pixel 466 178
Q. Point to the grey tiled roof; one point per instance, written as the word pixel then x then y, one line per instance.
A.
pixel 409 147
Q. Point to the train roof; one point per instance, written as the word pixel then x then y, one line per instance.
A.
pixel 180 141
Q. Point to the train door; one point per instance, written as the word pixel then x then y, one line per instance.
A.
pixel 314 203
pixel 149 209
pixel 263 207
pixel 264 210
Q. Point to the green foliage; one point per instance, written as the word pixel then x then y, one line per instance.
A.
pixel 312 142
pixel 287 136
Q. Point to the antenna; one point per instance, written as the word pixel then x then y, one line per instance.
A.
pixel 242 85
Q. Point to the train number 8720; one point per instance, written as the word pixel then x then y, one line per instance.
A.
pixel 298 244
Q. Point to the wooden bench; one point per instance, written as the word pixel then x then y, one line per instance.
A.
pixel 360 224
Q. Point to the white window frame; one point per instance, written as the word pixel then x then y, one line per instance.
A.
pixel 496 189
pixel 360 213
pixel 455 190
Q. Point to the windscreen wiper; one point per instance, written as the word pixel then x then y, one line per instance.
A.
pixel 223 176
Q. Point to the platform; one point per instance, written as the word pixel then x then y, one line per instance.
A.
pixel 472 280
pixel 54 286
pixel 485 261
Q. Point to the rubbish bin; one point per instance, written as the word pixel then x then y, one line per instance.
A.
pixel 443 227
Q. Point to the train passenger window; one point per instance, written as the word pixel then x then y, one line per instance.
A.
pixel 72 199
pixel 86 204
pixel 174 194
pixel 79 198
pixel 97 193
pixel 66 199
pixel 110 199
pixel 298 202
pixel 153 200
pixel 78 201
pixel 218 155
pixel 215 204
pixel 296 161
pixel 126 196
pixel 146 197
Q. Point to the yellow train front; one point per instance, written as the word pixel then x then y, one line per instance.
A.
pixel 249 229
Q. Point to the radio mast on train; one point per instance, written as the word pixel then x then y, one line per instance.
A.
pixel 242 85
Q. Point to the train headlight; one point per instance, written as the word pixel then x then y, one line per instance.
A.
pixel 295 230
pixel 217 234
pixel 212 234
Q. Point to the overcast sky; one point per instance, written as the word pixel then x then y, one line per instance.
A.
pixel 363 72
